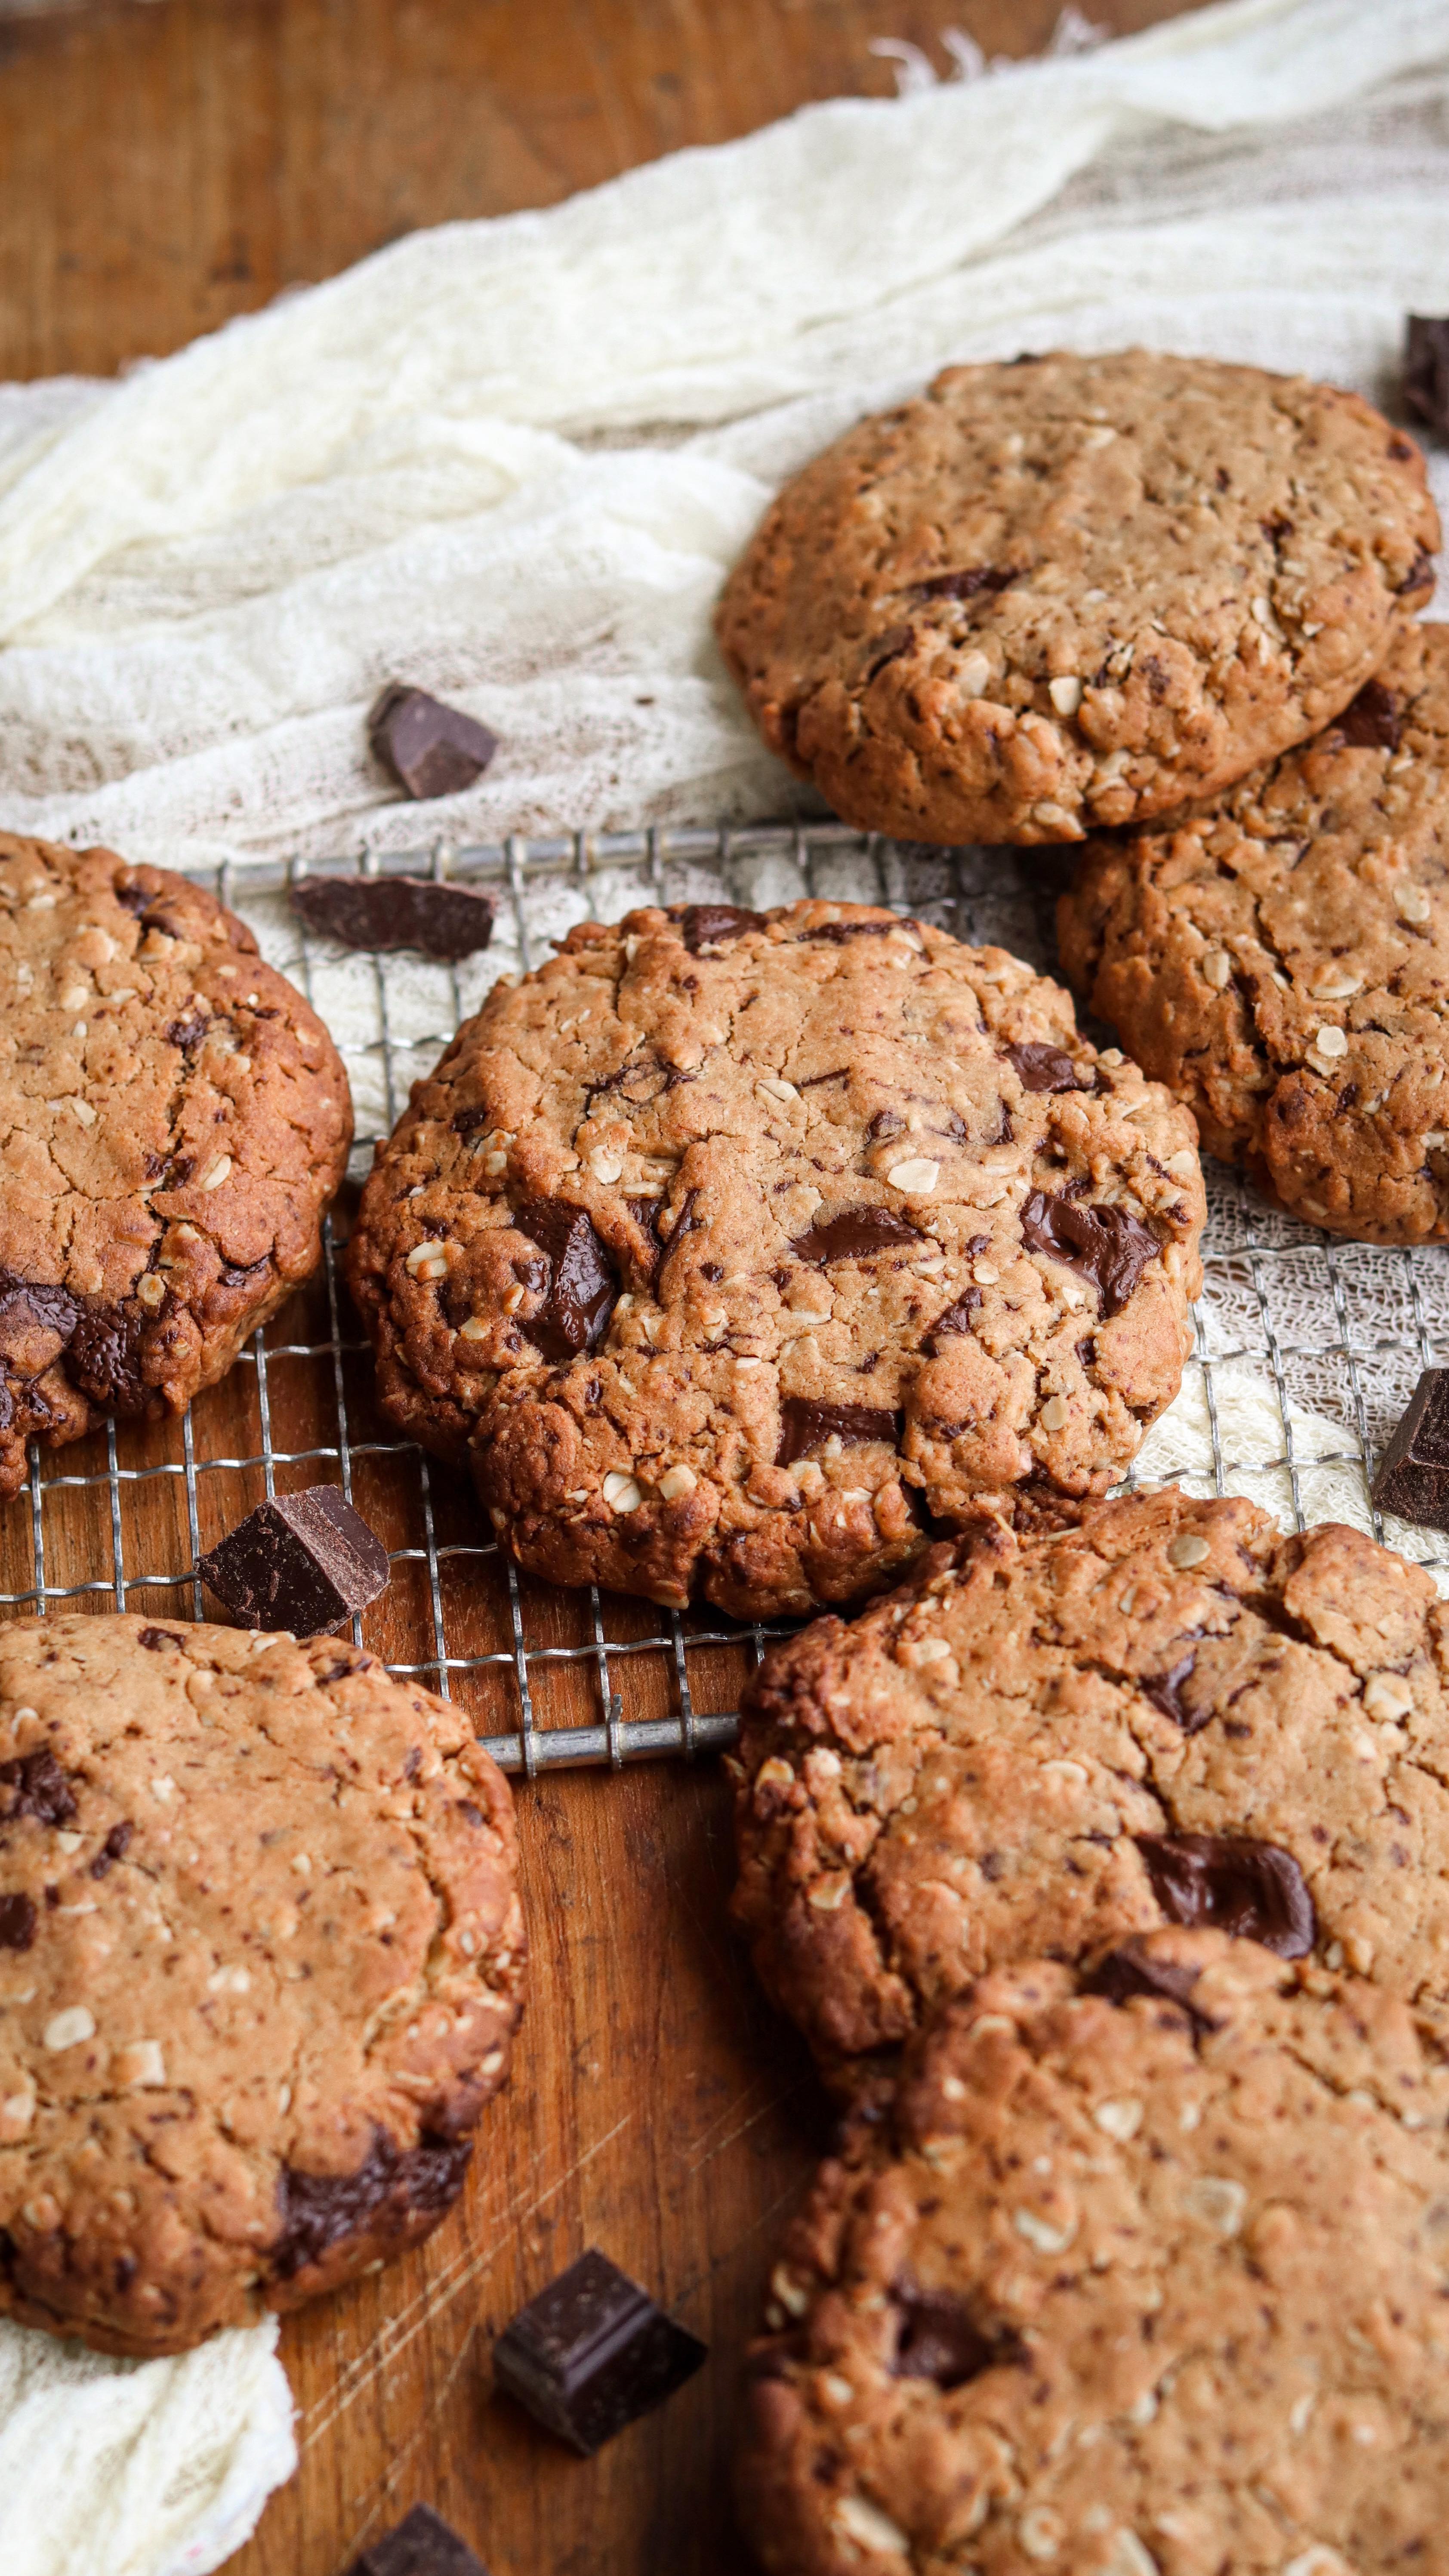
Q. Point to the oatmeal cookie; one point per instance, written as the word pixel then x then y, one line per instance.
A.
pixel 1072 591
pixel 174 1121
pixel 728 1241
pixel 260 1966
pixel 1281 959
pixel 1145 2276
pixel 1172 1714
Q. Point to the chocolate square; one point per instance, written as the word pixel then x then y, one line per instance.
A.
pixel 422 2545
pixel 591 2353
pixel 303 1561
pixel 435 915
pixel 1426 370
pixel 1413 1477
pixel 429 748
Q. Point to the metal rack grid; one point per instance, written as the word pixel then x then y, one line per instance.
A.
pixel 1307 1348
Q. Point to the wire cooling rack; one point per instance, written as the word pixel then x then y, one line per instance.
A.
pixel 1307 1348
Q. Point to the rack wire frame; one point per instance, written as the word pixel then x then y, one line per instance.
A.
pixel 983 896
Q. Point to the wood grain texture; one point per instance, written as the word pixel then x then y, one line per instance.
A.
pixel 162 168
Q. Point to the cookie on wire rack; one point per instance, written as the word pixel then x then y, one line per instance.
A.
pixel 1173 1714
pixel 729 1246
pixel 1142 2276
pixel 1070 592
pixel 175 1122
pixel 261 1957
pixel 1280 958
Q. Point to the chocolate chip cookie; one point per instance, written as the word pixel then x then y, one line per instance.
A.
pixel 1073 591
pixel 174 1120
pixel 1281 958
pixel 1170 1715
pixel 728 1241
pixel 260 1965
pixel 1144 2276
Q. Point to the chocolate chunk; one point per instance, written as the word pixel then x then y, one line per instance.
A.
pixel 430 749
pixel 1133 1970
pixel 422 2545
pixel 1046 1068
pixel 303 1561
pixel 1413 1477
pixel 28 1306
pixel 712 925
pixel 838 932
pixel 18 1919
pixel 1419 581
pixel 591 2353
pixel 114 1848
pixel 1426 371
pixel 389 2188
pixel 188 1033
pixel 956 1319
pixel 1106 1244
pixel 436 916
pixel 939 2339
pixel 887 648
pixel 156 1640
pixel 977 581
pixel 805 1425
pixel 854 1235
pixel 1372 721
pixel 582 1286
pixel 1165 1692
pixel 1252 1889
pixel 41 1789
pixel 104 1358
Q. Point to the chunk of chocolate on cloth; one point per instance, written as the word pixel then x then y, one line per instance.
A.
pixel 1413 1477
pixel 303 1561
pixel 431 749
pixel 854 1235
pixel 1254 1890
pixel 1426 370
pixel 582 1285
pixel 805 1426
pixel 591 2353
pixel 435 915
pixel 1105 1243
pixel 422 2545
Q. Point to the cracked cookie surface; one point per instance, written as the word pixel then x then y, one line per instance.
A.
pixel 1281 958
pixel 260 1965
pixel 174 1120
pixel 727 1240
pixel 1149 2286
pixel 1170 1714
pixel 1070 592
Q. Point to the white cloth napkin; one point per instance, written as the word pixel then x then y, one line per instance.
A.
pixel 512 460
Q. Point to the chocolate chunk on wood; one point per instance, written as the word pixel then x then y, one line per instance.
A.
pixel 304 1561
pixel 431 749
pixel 854 1235
pixel 711 925
pixel 1254 1890
pixel 435 915
pixel 1413 1477
pixel 422 2545
pixel 591 2353
pixel 1046 1068
pixel 805 1426
pixel 1105 1243
pixel 1426 370
pixel 582 1285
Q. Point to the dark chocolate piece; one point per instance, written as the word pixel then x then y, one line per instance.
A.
pixel 854 1235
pixel 711 925
pixel 1106 1244
pixel 977 581
pixel 41 1789
pixel 1371 721
pixel 156 1640
pixel 114 1848
pixel 430 749
pixel 582 1286
pixel 1413 1477
pixel 304 1561
pixel 805 1425
pixel 1420 580
pixel 388 2189
pixel 435 915
pixel 1252 1889
pixel 1133 1970
pixel 422 2545
pixel 1046 1068
pixel 591 2353
pixel 17 1922
pixel 887 648
pixel 939 2339
pixel 104 1357
pixel 956 1319
pixel 1426 371
pixel 1165 1692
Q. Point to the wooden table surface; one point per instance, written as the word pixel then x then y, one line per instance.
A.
pixel 161 168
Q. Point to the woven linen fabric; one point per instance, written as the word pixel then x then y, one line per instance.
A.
pixel 512 460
